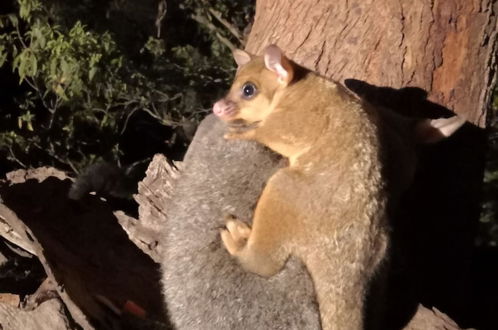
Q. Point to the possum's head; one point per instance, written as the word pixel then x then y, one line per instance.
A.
pixel 251 97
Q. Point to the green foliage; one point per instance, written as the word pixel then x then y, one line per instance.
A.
pixel 80 84
pixel 76 76
pixel 155 47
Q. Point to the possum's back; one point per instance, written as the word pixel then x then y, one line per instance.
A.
pixel 204 287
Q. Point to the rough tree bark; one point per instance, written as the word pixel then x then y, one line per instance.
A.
pixel 446 48
pixel 420 58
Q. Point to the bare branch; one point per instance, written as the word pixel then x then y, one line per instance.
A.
pixel 232 29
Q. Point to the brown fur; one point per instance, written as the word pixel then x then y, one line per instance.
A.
pixel 328 206
pixel 347 160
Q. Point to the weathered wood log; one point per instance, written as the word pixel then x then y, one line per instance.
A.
pixel 49 315
pixel 52 313
pixel 103 279
pixel 433 319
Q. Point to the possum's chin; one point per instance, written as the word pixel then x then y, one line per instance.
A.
pixel 241 125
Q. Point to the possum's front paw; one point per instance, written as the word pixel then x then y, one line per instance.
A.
pixel 231 136
pixel 235 235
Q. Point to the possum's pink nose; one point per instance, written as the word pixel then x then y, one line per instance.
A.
pixel 224 108
pixel 218 107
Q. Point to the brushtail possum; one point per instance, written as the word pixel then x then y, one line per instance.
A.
pixel 328 207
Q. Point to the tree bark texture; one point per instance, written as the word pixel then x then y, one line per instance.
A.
pixel 444 47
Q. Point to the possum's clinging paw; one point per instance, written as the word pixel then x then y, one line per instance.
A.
pixel 235 235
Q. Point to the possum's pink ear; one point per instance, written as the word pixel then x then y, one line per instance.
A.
pixel 276 61
pixel 435 130
pixel 241 57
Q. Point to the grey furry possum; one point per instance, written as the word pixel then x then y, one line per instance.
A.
pixel 204 287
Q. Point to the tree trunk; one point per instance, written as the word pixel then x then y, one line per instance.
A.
pixel 446 48
pixel 421 58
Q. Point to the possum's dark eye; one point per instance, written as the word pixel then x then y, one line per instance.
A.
pixel 249 90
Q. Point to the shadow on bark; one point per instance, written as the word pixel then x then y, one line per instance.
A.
pixel 433 259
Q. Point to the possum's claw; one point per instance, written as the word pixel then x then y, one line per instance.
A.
pixel 235 235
